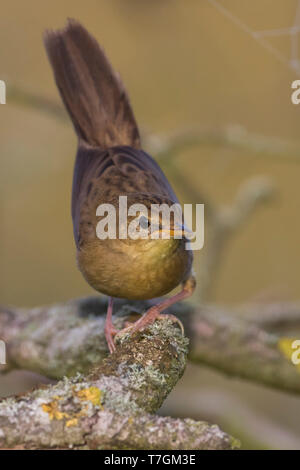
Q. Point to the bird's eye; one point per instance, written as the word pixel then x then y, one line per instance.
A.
pixel 144 222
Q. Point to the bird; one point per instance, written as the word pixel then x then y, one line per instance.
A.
pixel 110 162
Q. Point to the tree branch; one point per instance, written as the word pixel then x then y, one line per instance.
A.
pixel 68 338
pixel 225 221
pixel 167 146
pixel 242 349
pixel 232 136
pixel 26 99
pixel 109 408
pixel 273 315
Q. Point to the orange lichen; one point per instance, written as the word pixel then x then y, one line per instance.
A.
pixel 72 422
pixel 53 411
pixel 92 394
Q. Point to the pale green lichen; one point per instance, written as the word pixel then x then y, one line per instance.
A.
pixel 152 361
pixel 135 379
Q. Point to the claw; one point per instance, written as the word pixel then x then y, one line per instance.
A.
pixel 174 319
pixel 147 320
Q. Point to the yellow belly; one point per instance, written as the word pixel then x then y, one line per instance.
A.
pixel 135 273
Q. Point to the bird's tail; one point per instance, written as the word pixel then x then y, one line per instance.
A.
pixel 92 92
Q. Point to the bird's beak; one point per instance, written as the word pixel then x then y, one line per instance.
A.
pixel 180 230
pixel 183 231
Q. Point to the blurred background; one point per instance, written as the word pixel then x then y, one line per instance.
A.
pixel 201 84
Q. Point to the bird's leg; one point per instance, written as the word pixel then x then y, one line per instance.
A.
pixel 110 330
pixel 154 312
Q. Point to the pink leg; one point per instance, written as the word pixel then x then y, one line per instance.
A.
pixel 155 312
pixel 109 329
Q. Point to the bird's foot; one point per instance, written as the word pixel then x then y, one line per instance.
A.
pixel 110 332
pixel 147 319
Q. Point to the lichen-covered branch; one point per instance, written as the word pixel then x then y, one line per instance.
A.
pixel 68 338
pixel 55 341
pixel 61 339
pixel 242 349
pixel 109 408
pixel 274 316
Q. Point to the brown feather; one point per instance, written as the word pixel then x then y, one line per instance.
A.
pixel 100 176
pixel 93 93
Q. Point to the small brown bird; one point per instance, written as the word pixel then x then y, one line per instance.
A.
pixel 110 163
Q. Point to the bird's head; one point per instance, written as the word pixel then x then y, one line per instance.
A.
pixel 146 222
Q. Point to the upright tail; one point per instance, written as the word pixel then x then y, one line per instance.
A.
pixel 92 92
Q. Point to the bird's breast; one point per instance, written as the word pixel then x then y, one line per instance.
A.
pixel 135 273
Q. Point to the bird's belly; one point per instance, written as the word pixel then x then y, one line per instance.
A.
pixel 138 279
